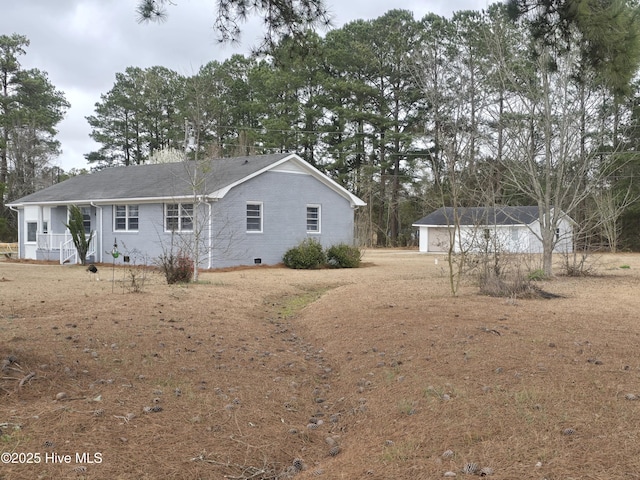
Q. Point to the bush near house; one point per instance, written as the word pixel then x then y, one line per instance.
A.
pixel 176 267
pixel 343 256
pixel 309 254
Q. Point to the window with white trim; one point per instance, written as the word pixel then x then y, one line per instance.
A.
pixel 313 218
pixel 86 219
pixel 125 218
pixel 254 217
pixel 178 217
pixel 32 231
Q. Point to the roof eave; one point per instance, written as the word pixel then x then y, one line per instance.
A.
pixel 473 225
pixel 102 201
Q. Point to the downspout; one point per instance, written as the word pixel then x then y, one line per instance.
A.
pixel 210 202
pixel 99 243
pixel 354 226
pixel 19 229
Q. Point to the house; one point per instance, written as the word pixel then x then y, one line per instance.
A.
pixel 243 210
pixel 507 229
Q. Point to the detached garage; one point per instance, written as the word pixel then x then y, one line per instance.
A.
pixel 507 229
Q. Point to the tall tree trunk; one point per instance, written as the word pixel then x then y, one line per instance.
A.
pixel 382 213
pixel 394 207
pixel 4 165
pixel 548 231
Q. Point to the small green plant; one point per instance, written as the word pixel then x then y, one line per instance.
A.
pixel 390 376
pixel 433 392
pixel 177 268
pixel 401 452
pixel 308 254
pixel 344 256
pixel 625 266
pixel 406 407
pixel 76 229
pixel 536 275
pixel 526 397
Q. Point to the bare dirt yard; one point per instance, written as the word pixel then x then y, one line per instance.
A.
pixel 270 373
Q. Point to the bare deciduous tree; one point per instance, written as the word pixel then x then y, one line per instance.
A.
pixel 545 158
pixel 452 136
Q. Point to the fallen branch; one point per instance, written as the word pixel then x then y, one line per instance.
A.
pixel 28 377
pixel 491 330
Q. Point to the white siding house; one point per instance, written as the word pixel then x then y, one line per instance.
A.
pixel 505 229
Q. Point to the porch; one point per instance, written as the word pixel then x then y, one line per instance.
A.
pixel 60 247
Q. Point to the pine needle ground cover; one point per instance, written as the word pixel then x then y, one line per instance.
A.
pixel 271 373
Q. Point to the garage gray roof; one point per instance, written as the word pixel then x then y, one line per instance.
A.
pixel 169 180
pixel 481 216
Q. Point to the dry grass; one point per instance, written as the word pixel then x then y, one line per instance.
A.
pixel 252 369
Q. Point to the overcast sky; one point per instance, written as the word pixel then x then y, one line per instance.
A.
pixel 82 44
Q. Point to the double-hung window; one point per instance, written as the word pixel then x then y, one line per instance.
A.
pixel 178 217
pixel 254 217
pixel 126 218
pixel 86 219
pixel 313 218
pixel 32 231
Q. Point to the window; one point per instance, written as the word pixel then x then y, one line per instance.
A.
pixel 126 217
pixel 313 218
pixel 557 234
pixel 86 219
pixel 178 217
pixel 45 226
pixel 487 234
pixel 32 230
pixel 254 217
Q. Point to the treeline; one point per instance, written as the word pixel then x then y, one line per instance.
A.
pixel 503 107
pixel 30 109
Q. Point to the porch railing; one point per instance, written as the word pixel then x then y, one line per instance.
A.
pixel 68 251
pixel 51 241
pixel 63 242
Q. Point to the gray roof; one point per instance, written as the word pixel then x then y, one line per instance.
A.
pixel 169 180
pixel 482 216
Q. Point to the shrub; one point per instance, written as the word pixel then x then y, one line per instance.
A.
pixel 177 268
pixel 308 254
pixel 514 285
pixel 579 263
pixel 344 256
